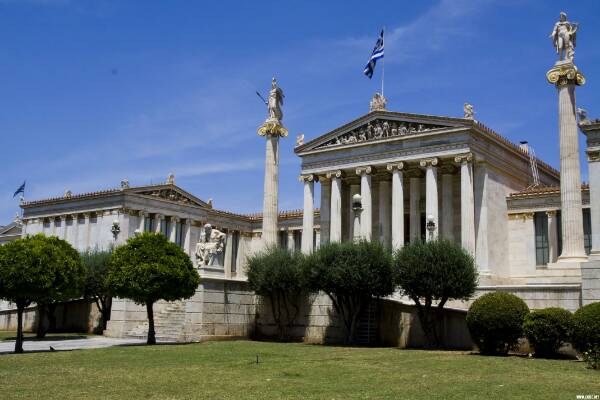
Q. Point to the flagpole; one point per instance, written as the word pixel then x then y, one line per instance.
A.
pixel 383 62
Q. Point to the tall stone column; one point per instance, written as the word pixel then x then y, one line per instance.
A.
pixel 552 236
pixel 308 223
pixel 397 205
pixel 447 223
pixel 290 239
pixel 272 130
pixel 63 226
pixel 366 217
pixel 467 203
pixel 173 233
pixel 142 220
pixel 187 240
pixel 385 226
pixel 75 231
pixel 415 207
pixel 325 209
pixel 565 76
pixel 159 219
pixel 86 230
pixel 335 229
pixel 431 194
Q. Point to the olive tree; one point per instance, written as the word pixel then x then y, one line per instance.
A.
pixel 430 274
pixel 149 268
pixel 275 274
pixel 38 269
pixel 351 274
pixel 96 264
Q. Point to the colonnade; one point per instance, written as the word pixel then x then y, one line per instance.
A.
pixel 391 178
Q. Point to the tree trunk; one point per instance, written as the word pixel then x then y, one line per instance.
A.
pixel 151 332
pixel 41 326
pixel 51 317
pixel 19 341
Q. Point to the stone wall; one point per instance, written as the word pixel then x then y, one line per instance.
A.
pixel 73 316
pixel 590 282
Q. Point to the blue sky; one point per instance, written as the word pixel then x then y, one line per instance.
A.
pixel 92 92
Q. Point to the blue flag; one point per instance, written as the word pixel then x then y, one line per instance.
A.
pixel 375 55
pixel 21 189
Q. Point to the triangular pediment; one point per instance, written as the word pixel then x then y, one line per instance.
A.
pixel 12 229
pixel 170 193
pixel 379 126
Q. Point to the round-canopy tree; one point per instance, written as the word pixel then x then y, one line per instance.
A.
pixel 351 274
pixel 275 274
pixel 38 269
pixel 149 268
pixel 434 271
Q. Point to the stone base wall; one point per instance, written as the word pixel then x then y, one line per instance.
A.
pixel 73 316
pixel 590 282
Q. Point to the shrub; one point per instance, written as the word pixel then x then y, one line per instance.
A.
pixel 495 321
pixel 96 263
pixel 435 271
pixel 592 357
pixel 275 274
pixel 585 333
pixel 547 330
pixel 351 274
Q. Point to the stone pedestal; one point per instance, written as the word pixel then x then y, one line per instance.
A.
pixel 566 76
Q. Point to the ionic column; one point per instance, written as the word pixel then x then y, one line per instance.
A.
pixel 290 243
pixel 159 220
pixel 308 223
pixel 552 236
pixel 447 223
pixel 142 220
pixel 53 226
pixel 431 194
pixel 414 208
pixel 173 233
pixel 99 233
pixel 75 231
pixel 63 226
pixel 86 230
pixel 187 240
pixel 366 217
pixel 271 190
pixel 325 208
pixel 335 234
pixel 566 76
pixel 397 205
pixel 467 203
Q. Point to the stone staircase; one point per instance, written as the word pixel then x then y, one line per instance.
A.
pixel 168 324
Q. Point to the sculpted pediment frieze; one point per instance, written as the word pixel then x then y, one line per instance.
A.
pixel 379 129
pixel 171 194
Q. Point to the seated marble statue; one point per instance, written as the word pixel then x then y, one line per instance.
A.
pixel 210 247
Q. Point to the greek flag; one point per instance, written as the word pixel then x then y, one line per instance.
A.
pixel 375 55
pixel 21 189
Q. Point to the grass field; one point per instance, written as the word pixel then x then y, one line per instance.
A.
pixel 228 370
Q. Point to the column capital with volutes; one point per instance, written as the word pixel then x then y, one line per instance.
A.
pixel 463 158
pixel 399 166
pixel 334 174
pixel 429 162
pixel 367 170
pixel 308 178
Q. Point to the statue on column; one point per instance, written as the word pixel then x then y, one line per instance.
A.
pixel 211 246
pixel 564 38
pixel 273 125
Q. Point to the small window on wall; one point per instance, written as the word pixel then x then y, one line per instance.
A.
pixel 542 250
pixel 587 230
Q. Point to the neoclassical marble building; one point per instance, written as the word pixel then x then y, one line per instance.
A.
pixel 388 176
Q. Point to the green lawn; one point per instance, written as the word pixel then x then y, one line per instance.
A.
pixel 228 370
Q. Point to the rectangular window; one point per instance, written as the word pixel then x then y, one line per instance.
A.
pixel 283 239
pixel 587 230
pixel 542 250
pixel 235 242
pixel 179 233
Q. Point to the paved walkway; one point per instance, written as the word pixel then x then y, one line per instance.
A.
pixel 67 343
